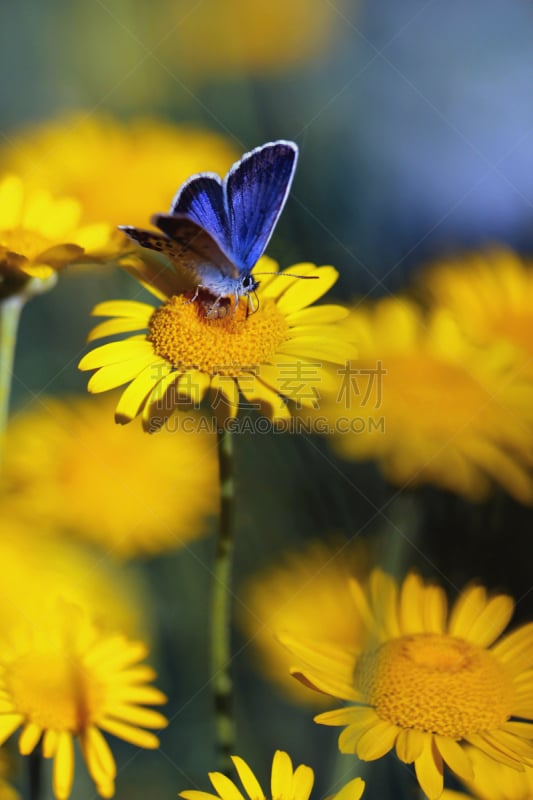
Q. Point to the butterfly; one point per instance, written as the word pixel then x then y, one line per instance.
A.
pixel 216 230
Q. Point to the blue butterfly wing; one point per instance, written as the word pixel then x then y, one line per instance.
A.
pixel 194 246
pixel 196 258
pixel 202 200
pixel 256 189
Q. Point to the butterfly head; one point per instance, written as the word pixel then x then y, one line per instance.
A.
pixel 247 285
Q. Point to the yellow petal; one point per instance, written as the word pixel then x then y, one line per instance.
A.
pixel 455 756
pixel 492 621
pixel 224 787
pixel 281 778
pixel 136 715
pixel 250 783
pixel 275 288
pixel 134 395
pixel 116 352
pixel 29 738
pixel 194 794
pixel 350 736
pixel 317 315
pixel 515 650
pixel 113 326
pixel 117 374
pixel 303 293
pixel 8 724
pixel 328 658
pixel 50 742
pixel 324 683
pixel 320 350
pixel 411 605
pixel 377 741
pixel 429 770
pixel 486 746
pixel 409 745
pixel 128 309
pixel 63 774
pixel 98 755
pixel 523 729
pixel 467 608
pixel 130 734
pixel 345 716
pixel 512 745
pixel 302 782
pixel 352 790
pixel 435 609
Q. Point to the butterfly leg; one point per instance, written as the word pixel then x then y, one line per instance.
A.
pixel 213 310
pixel 195 295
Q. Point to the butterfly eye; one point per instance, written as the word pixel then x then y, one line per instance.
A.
pixel 248 283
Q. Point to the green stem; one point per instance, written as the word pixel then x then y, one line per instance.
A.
pixel 9 316
pixel 221 609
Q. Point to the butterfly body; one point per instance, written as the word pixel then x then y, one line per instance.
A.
pixel 216 229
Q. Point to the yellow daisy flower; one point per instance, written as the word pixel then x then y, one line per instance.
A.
pixel 271 356
pixel 68 680
pixel 119 173
pixel 305 593
pixel 69 466
pixel 495 781
pixel 431 407
pixel 491 295
pixel 286 783
pixel 40 234
pixel 38 571
pixel 240 37
pixel 428 683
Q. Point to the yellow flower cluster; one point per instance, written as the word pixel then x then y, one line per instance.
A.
pixel 437 390
pixel 67 184
pixel 69 466
pixel 443 393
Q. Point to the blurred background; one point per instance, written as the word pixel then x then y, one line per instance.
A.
pixel 415 127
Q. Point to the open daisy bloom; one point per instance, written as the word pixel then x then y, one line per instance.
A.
pixel 68 680
pixel 276 354
pixel 491 295
pixel 40 570
pixel 428 683
pixel 40 234
pixel 144 498
pixel 115 171
pixel 304 593
pixel 286 783
pixel 452 414
pixel 494 781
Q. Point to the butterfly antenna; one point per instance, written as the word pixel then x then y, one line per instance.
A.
pixel 289 275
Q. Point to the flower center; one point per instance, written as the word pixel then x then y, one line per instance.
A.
pixel 437 684
pixel 183 335
pixel 53 690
